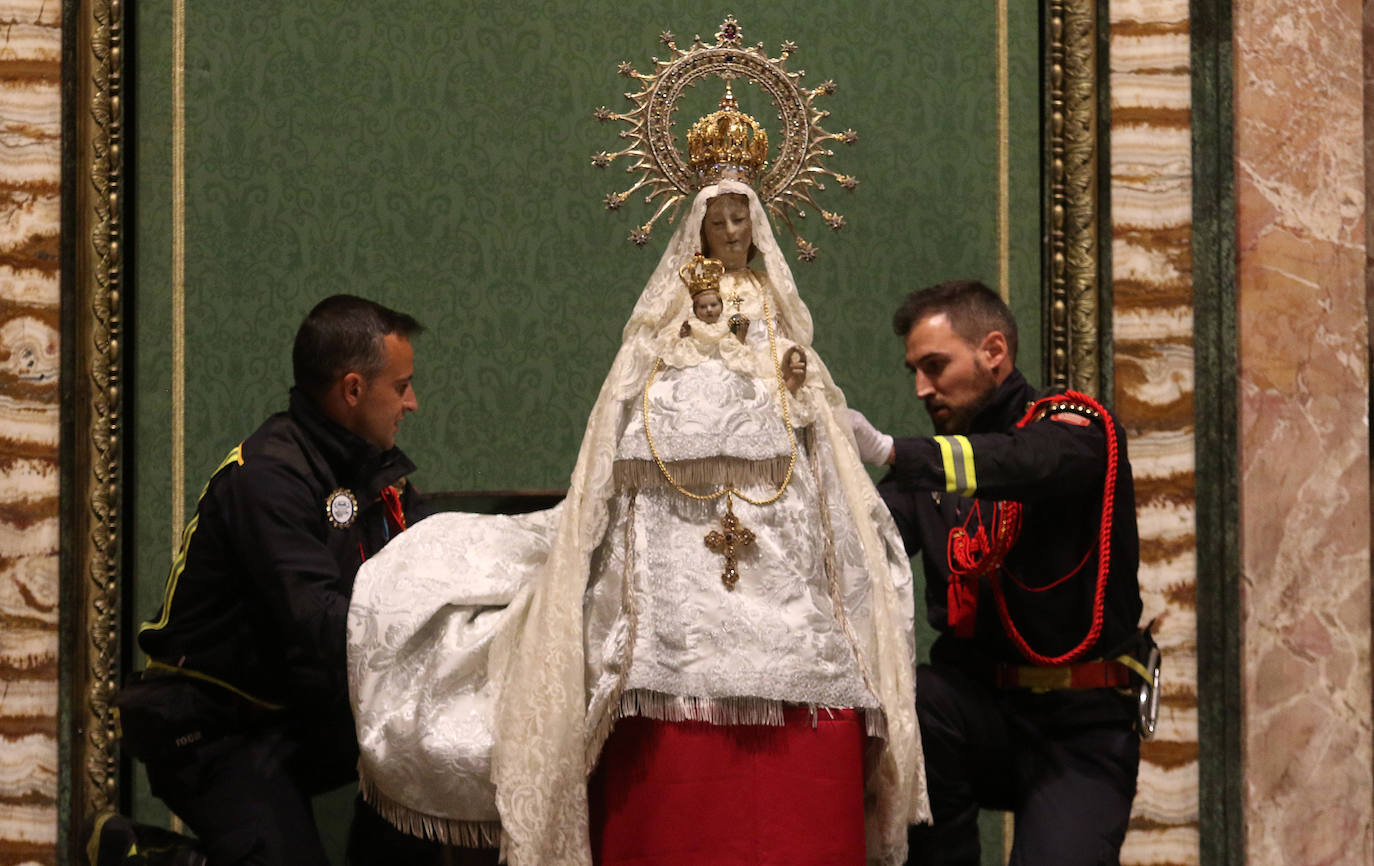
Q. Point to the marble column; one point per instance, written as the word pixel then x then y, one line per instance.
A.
pixel 1305 508
pixel 30 175
pixel 1152 287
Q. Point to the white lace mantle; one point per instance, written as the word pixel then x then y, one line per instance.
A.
pixel 484 683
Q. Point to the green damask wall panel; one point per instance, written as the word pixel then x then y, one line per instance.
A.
pixel 435 156
pixel 149 400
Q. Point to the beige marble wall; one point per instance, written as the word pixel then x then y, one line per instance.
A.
pixel 30 150
pixel 1303 328
pixel 1151 207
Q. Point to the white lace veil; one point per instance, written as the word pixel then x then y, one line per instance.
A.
pixel 664 299
pixel 551 721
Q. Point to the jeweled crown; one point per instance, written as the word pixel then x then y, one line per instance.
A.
pixel 727 144
pixel 701 274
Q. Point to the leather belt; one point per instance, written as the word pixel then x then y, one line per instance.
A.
pixel 1102 674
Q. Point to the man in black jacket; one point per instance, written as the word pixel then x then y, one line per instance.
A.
pixel 1024 513
pixel 242 713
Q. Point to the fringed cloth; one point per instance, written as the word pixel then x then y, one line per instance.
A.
pixel 706 472
pixel 648 704
pixel 463 834
pixel 687 793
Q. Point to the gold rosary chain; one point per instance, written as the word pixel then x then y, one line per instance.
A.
pixel 730 489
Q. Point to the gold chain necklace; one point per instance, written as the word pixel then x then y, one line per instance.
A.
pixel 734 535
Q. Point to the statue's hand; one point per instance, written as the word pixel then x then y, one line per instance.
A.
pixel 794 368
pixel 685 330
pixel 739 326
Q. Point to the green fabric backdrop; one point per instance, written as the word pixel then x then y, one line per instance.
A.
pixel 435 156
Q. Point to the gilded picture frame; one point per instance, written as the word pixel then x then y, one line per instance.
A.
pixel 94 432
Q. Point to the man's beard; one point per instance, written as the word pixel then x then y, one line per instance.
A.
pixel 959 419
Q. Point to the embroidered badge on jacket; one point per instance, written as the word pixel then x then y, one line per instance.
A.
pixel 341 507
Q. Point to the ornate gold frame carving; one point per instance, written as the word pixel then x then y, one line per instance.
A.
pixel 95 481
pixel 94 525
pixel 1072 308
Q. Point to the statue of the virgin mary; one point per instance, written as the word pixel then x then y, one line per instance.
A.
pixel 706 649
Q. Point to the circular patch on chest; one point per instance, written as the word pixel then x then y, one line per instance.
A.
pixel 341 507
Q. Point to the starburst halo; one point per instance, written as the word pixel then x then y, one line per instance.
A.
pixel 787 186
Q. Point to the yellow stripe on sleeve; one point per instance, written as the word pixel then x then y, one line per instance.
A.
pixel 957 454
pixel 970 477
pixel 947 454
pixel 235 455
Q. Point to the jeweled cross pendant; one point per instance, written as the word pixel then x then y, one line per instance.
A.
pixel 725 543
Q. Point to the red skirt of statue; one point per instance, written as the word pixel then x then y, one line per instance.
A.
pixel 688 793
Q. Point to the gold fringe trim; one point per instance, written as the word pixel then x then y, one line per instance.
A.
pixel 716 711
pixel 449 831
pixel 704 472
pixel 730 711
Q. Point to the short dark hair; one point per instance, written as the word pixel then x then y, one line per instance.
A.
pixel 344 334
pixel 974 311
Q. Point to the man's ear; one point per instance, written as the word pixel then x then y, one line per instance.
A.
pixel 351 387
pixel 994 349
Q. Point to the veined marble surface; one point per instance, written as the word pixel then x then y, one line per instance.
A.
pixel 1151 206
pixel 1303 326
pixel 30 150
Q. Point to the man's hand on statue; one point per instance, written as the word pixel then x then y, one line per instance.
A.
pixel 875 446
pixel 794 372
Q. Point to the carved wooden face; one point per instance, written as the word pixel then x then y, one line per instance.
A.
pixel 707 307
pixel 727 231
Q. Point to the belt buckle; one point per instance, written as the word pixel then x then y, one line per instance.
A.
pixel 1039 679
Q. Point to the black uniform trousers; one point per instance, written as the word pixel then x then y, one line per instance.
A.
pixel 1063 762
pixel 247 796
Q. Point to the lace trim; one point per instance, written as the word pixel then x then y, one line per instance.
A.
pixel 629 603
pixel 707 471
pixel 450 831
pixel 833 581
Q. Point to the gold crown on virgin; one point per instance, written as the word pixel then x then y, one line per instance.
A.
pixel 726 143
pixel 701 274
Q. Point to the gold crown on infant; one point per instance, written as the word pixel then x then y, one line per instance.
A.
pixel 701 274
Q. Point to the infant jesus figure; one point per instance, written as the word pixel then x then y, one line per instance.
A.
pixel 702 277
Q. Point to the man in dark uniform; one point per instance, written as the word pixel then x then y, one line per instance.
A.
pixel 242 713
pixel 1024 513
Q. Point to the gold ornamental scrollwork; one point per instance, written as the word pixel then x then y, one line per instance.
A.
pixel 787 186
pixel 1073 302
pixel 94 517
